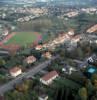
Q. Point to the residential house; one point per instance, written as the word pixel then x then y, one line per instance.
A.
pixel 68 69
pixel 6 32
pixel 71 32
pixel 38 47
pixel 15 71
pixel 49 77
pixel 74 40
pixel 92 58
pixel 30 59
pixel 43 97
pixel 47 55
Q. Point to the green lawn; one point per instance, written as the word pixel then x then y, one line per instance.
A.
pixel 23 38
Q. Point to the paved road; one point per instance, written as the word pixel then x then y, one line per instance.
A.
pixel 8 86
pixel 77 61
pixel 4 53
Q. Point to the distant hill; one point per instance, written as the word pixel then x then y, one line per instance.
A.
pixel 76 2
pixel 66 2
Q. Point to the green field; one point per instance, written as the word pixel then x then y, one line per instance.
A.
pixel 23 38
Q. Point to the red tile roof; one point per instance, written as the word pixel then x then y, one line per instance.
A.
pixel 49 75
pixel 15 69
pixel 30 58
pixel 77 37
pixel 39 47
pixel 1 98
pixel 92 29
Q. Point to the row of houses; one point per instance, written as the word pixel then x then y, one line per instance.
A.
pixel 72 14
pixel 89 10
pixel 26 18
pixel 13 48
pixel 3 33
pixel 92 29
pixel 15 71
pixel 47 79
pixel 62 38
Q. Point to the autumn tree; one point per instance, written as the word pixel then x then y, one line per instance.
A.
pixel 83 93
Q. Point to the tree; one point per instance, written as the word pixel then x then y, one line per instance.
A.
pixel 33 96
pixel 83 93
pixel 22 87
pixel 94 77
pixel 2 62
pixel 90 87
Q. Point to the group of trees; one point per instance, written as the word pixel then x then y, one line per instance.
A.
pixel 89 90
pixel 15 95
pixel 83 49
pixel 82 22
pixel 23 91
pixel 62 89
pixel 36 25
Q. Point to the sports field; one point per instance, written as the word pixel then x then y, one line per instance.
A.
pixel 23 38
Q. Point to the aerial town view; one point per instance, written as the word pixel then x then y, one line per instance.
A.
pixel 48 49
